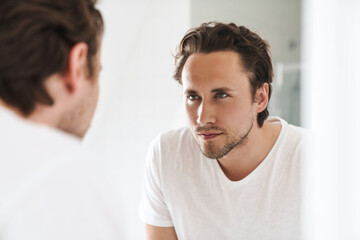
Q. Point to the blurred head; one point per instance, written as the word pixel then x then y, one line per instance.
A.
pixel 253 52
pixel 38 39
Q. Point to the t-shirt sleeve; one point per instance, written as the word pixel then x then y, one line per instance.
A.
pixel 153 209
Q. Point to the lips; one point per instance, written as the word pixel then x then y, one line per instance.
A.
pixel 208 136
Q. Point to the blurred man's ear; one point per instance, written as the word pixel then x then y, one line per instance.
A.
pixel 262 97
pixel 77 66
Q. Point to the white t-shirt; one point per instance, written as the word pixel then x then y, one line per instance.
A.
pixel 50 188
pixel 189 191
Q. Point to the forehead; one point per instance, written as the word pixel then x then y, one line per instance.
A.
pixel 223 69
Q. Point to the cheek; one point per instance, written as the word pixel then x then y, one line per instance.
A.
pixel 233 112
pixel 191 112
pixel 93 95
pixel 97 91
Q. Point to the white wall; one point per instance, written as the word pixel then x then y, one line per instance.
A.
pixel 138 97
pixel 277 21
pixel 331 109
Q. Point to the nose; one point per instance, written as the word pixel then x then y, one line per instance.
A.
pixel 206 114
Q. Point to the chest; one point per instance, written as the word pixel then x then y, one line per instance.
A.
pixel 204 206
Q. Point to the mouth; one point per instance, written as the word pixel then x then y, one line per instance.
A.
pixel 209 136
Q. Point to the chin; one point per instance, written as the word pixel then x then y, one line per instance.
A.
pixel 211 151
pixel 212 155
pixel 83 132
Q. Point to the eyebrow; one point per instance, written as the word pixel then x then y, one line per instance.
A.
pixel 216 90
pixel 189 92
pixel 224 89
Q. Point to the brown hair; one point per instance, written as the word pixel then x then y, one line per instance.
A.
pixel 35 38
pixel 253 51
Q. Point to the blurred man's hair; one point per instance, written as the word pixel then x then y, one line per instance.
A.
pixel 35 39
pixel 253 51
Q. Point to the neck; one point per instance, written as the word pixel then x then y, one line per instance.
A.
pixel 245 158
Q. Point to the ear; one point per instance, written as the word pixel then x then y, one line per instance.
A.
pixel 262 97
pixel 77 67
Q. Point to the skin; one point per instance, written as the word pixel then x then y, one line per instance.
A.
pixel 160 233
pixel 222 115
pixel 75 95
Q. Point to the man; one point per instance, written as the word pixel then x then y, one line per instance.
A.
pixel 232 174
pixel 49 69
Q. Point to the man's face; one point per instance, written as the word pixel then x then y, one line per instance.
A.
pixel 219 105
pixel 77 120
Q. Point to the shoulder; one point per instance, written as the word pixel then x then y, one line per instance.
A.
pixel 69 195
pixel 297 136
pixel 31 153
pixel 289 132
pixel 291 138
pixel 289 149
pixel 62 174
pixel 295 139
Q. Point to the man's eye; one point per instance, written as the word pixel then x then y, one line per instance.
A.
pixel 193 97
pixel 221 95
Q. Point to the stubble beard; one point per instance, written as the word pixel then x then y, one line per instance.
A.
pixel 76 120
pixel 210 150
pixel 70 122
